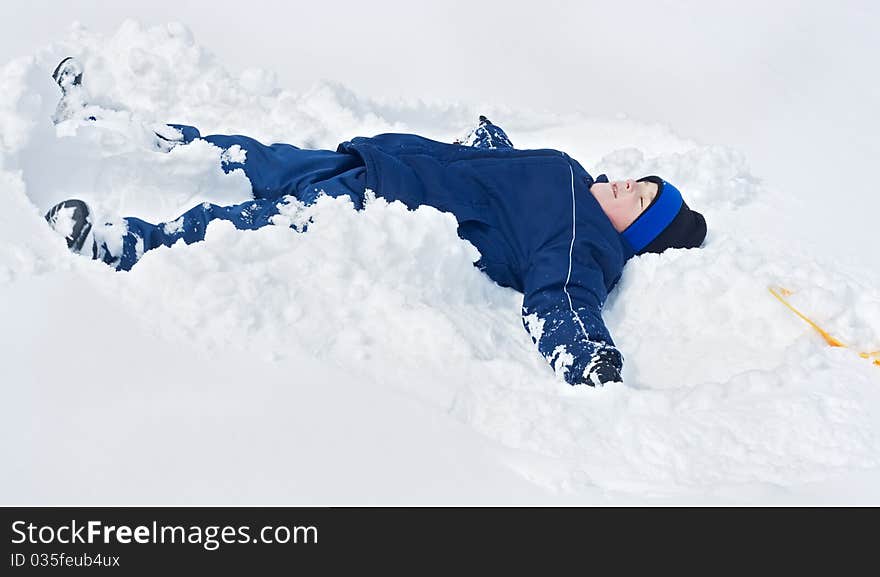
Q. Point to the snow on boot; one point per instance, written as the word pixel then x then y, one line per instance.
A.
pixel 68 73
pixel 68 76
pixel 167 137
pixel 72 219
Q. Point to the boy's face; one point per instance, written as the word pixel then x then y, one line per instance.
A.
pixel 624 200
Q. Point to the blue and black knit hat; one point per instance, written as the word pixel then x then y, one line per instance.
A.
pixel 668 222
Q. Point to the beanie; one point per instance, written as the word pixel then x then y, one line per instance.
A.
pixel 668 222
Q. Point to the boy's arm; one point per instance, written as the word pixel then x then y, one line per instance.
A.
pixel 564 318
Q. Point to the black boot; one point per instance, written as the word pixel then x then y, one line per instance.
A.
pixel 68 76
pixel 72 218
pixel 68 73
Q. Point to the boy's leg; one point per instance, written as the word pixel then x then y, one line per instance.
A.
pixel 141 236
pixel 275 170
pixel 122 243
pixel 122 251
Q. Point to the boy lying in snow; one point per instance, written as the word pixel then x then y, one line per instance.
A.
pixel 542 224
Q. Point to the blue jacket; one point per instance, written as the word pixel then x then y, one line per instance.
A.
pixel 531 215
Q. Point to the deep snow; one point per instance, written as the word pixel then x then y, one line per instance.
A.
pixel 367 360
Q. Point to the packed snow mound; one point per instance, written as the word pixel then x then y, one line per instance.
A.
pixel 728 396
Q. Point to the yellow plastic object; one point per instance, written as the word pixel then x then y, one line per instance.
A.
pixel 780 293
pixel 875 355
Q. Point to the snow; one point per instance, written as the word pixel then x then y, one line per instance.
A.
pixel 64 222
pixel 366 360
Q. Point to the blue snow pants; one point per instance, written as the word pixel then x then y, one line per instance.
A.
pixel 275 172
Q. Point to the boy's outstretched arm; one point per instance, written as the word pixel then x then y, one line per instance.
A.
pixel 563 316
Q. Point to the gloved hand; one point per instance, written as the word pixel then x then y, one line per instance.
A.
pixel 483 121
pixel 486 135
pixel 604 368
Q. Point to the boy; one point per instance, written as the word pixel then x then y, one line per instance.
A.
pixel 542 224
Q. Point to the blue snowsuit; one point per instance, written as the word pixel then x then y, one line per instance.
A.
pixel 529 212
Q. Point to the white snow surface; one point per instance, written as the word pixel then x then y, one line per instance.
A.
pixel 367 361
